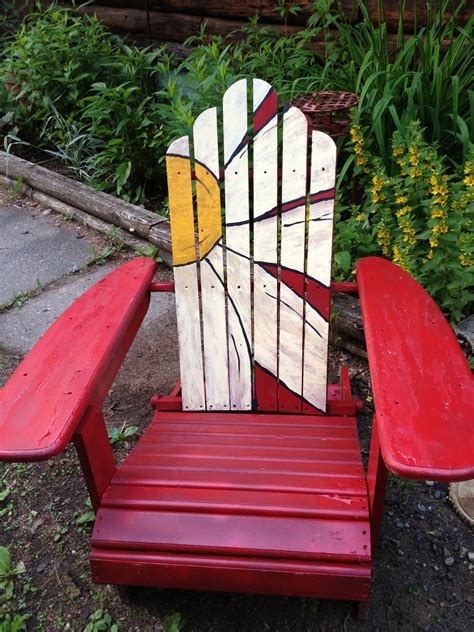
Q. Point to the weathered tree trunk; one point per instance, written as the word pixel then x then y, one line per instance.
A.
pixel 346 325
pixel 134 219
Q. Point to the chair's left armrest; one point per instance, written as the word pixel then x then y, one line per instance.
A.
pixel 73 364
pixel 422 385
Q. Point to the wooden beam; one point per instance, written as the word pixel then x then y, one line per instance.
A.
pixel 414 13
pixel 238 9
pixel 136 220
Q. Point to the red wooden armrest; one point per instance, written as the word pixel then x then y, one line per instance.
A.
pixel 423 387
pixel 73 364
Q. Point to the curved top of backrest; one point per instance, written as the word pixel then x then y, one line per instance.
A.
pixel 251 211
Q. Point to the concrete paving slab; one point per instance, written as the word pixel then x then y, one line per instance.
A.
pixel 34 251
pixel 20 327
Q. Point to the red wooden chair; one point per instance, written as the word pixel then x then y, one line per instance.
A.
pixel 249 477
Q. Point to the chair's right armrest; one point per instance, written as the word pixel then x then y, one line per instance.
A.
pixel 422 385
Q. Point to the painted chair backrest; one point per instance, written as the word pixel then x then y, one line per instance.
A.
pixel 252 291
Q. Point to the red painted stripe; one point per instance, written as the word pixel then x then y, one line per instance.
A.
pixel 265 390
pixel 265 111
pixel 322 195
pixel 317 295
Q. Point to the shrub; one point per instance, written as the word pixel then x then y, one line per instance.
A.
pixel 428 77
pixel 420 216
pixel 55 57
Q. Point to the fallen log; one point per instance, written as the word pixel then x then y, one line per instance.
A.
pixel 133 219
pixel 346 329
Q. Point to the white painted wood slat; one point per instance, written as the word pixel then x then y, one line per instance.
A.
pixel 185 274
pixel 237 244
pixel 319 260
pixel 265 245
pixel 293 223
pixel 206 157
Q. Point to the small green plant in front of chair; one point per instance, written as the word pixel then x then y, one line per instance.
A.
pixel 8 573
pixel 100 620
pixel 119 435
pixel 86 517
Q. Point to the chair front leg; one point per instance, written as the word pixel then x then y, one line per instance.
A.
pixel 95 454
pixel 377 476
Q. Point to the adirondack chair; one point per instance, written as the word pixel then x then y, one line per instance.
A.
pixel 249 477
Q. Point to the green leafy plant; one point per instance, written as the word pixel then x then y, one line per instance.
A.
pixel 420 216
pixel 173 622
pixel 13 623
pixel 118 435
pixel 6 506
pixel 100 620
pixel 55 56
pixel 428 77
pixel 8 572
pixel 127 140
pixel 88 516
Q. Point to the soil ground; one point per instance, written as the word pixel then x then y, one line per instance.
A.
pixel 423 578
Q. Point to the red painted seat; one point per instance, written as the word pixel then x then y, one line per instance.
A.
pixel 253 489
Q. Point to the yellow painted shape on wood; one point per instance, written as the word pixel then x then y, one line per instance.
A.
pixel 180 195
pixel 209 209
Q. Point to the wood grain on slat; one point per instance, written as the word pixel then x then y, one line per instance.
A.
pixel 244 502
pixel 206 156
pixel 232 574
pixel 291 454
pixel 265 229
pixel 185 273
pixel 239 307
pixel 319 260
pixel 235 535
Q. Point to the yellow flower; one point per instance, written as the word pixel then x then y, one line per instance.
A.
pixel 444 178
pixel 430 254
pixel 397 258
pixel 360 217
pixel 401 199
pixel 436 229
pixel 403 211
pixel 434 243
pixel 361 161
pixel 413 151
pixel 375 198
pixel 413 160
pixel 468 168
pixel 377 181
pixel 465 261
pixel 397 151
pixel 438 213
pixel 442 201
pixel 469 181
